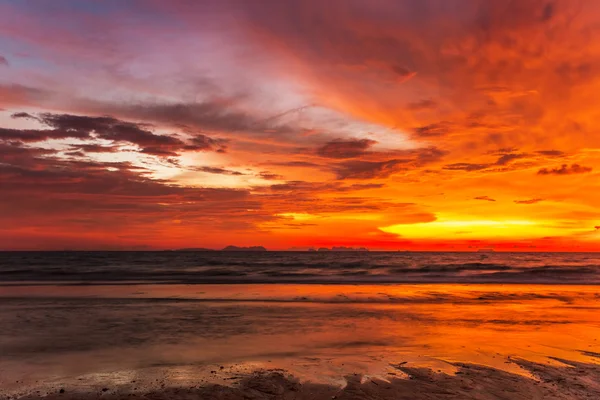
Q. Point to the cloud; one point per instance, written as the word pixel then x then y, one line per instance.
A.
pixel 63 126
pixel 551 153
pixel 203 142
pixel 16 152
pixel 345 148
pixel 108 128
pixel 298 164
pixel 39 135
pixel 52 194
pixel 428 155
pixel 528 201
pixel 211 115
pixel 269 175
pixel 3 61
pixel 366 186
pixel 466 167
pixel 217 170
pixel 76 153
pixel 565 170
pixel 486 198
pixel 403 73
pixel 369 169
pixel 433 130
pixel 507 158
pixel 95 148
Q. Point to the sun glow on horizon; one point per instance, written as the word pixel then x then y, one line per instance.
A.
pixel 478 229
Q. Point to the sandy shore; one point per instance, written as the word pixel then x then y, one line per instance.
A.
pixel 559 379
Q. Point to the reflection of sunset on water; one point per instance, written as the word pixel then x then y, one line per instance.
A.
pixel 309 329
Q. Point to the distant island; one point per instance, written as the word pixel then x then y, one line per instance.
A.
pixel 340 248
pixel 251 248
pixel 262 249
pixel 195 249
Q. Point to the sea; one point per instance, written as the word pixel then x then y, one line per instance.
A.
pixel 189 267
pixel 129 319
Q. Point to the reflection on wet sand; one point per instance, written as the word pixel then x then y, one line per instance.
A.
pixel 111 335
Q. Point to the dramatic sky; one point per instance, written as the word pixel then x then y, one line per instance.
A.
pixel 391 124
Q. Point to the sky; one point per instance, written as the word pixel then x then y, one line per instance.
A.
pixel 388 124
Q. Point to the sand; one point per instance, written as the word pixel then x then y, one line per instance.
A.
pixel 559 379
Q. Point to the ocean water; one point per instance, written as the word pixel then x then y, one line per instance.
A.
pixel 101 318
pixel 299 267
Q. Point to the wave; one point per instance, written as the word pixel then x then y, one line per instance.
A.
pixel 281 267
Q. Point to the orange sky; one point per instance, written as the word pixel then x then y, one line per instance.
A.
pixel 413 124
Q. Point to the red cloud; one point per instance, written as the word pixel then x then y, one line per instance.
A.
pixel 345 148
pixel 529 201
pixel 565 170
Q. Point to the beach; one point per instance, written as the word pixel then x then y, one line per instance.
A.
pixel 153 340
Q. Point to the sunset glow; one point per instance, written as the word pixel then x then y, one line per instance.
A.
pixel 393 125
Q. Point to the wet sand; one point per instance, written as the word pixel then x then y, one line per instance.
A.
pixel 568 380
pixel 300 342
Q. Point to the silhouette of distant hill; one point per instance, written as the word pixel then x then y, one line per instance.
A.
pixel 342 248
pixel 251 248
pixel 195 249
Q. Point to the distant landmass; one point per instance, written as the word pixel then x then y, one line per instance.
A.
pixel 251 248
pixel 261 248
pixel 341 248
pixel 195 249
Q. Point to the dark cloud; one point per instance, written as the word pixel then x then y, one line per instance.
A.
pixel 3 61
pixel 428 155
pixel 205 143
pixel 573 72
pixel 402 72
pixel 528 201
pixel 486 198
pixel 298 187
pixel 159 151
pixel 65 126
pixel 269 175
pixel 433 130
pixel 369 169
pixel 17 152
pixel 565 170
pixel 41 190
pixel 299 164
pixel 303 186
pixel 210 116
pixel 507 158
pixel 22 115
pixel 466 167
pixel 365 186
pixel 345 148
pixel 551 153
pixel 95 148
pixel 217 170
pixel 109 128
pixel 38 135
pixel 76 153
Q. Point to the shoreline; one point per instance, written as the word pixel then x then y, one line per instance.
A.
pixel 561 379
